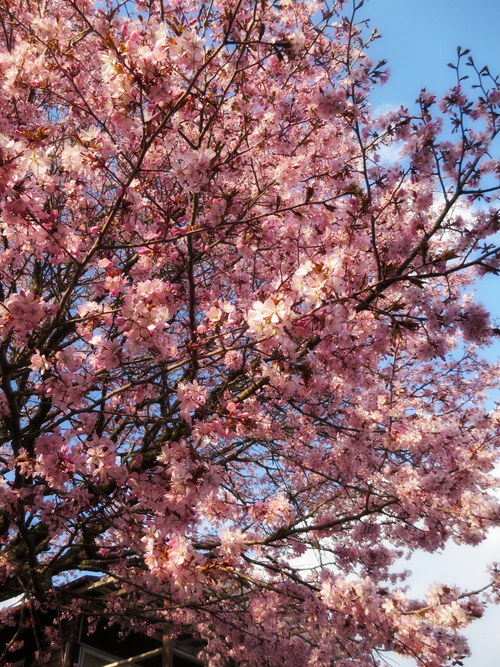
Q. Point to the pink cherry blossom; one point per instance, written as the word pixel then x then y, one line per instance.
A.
pixel 191 396
pixel 242 364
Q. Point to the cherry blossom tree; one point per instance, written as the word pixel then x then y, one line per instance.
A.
pixel 241 370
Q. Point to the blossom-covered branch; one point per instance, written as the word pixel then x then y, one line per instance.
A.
pixel 240 360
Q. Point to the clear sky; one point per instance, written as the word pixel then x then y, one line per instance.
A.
pixel 419 38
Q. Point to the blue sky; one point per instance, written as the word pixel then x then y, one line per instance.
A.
pixel 419 38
